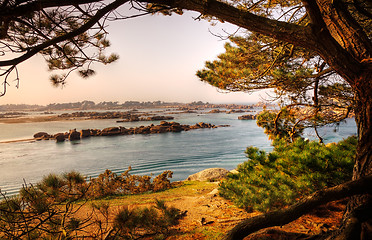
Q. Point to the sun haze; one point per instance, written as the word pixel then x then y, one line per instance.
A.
pixel 159 56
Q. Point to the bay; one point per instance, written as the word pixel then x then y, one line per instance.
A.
pixel 183 153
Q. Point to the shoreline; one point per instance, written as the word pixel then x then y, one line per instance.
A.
pixel 19 140
pixel 54 118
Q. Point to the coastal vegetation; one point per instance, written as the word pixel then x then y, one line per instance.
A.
pixel 269 181
pixel 57 208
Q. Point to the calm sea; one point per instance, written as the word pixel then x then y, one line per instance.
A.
pixel 184 153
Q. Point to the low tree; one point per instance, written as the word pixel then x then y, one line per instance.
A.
pixel 327 36
pixel 270 181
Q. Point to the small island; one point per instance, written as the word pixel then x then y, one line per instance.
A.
pixel 163 127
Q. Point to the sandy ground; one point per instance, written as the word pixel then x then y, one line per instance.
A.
pixel 27 119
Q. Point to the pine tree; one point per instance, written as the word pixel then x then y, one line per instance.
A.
pixel 268 181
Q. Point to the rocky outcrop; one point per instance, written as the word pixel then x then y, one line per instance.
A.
pixel 203 125
pixel 163 127
pixel 235 111
pixel 73 135
pixel 95 132
pixel 85 133
pixel 210 174
pixel 42 135
pixel 153 118
pixel 96 115
pixel 111 131
pixel 159 118
pixel 12 114
pixel 215 111
pixel 247 117
pixel 59 137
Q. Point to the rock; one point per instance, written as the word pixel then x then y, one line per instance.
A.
pixel 158 118
pixel 142 130
pixel 164 123
pixel 214 192
pixel 210 174
pixel 74 135
pixel 234 111
pixel 85 133
pixel 175 127
pixel 60 137
pixel 247 117
pixel 215 111
pixel 159 129
pixel 42 135
pixel 124 131
pixel 224 125
pixel 95 132
pixel 194 127
pixel 205 125
pixel 111 131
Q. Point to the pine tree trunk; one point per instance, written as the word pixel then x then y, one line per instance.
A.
pixel 357 220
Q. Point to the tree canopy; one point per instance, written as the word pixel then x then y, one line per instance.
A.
pixel 312 93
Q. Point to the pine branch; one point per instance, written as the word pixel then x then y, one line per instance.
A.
pixel 37 5
pixel 34 50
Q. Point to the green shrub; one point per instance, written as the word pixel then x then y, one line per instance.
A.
pixel 154 221
pixel 109 183
pixel 289 172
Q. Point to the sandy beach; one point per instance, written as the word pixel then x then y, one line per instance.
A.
pixel 38 119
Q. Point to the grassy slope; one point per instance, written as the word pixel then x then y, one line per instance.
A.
pixel 219 215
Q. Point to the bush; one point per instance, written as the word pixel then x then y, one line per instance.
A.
pixel 73 185
pixel 51 208
pixel 156 220
pixel 289 172
pixel 109 183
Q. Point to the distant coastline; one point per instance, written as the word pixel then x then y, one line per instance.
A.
pixel 23 113
pixel 90 105
pixel 127 112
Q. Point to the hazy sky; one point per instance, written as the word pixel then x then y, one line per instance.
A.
pixel 159 57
